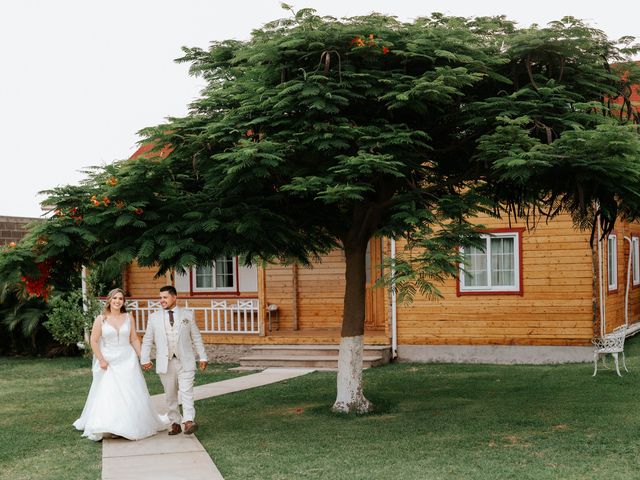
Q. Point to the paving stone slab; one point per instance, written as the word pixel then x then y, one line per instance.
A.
pixel 158 444
pixel 266 377
pixel 165 466
pixel 178 457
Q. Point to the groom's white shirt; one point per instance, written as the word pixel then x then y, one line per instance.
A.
pixel 188 338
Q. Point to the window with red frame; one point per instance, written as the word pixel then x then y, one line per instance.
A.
pixel 493 267
pixel 220 276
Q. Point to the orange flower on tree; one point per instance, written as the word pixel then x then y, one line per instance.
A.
pixel 95 201
pixel 138 211
pixel 119 204
pixel 58 212
pixel 250 133
pixel 357 41
pixel 12 244
pixel 106 201
pixel 113 181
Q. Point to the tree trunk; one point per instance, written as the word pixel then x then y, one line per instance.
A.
pixel 350 397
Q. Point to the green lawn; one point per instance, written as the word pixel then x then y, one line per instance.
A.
pixel 434 422
pixel 39 400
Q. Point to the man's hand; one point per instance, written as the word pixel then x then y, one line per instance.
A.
pixel 203 365
pixel 147 366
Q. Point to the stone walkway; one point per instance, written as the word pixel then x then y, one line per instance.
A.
pixel 162 457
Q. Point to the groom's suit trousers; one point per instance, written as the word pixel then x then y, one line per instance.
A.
pixel 178 380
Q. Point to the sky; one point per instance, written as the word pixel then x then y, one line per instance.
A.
pixel 80 78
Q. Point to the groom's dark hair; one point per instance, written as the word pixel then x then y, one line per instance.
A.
pixel 171 289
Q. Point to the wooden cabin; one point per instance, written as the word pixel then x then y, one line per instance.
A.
pixel 527 297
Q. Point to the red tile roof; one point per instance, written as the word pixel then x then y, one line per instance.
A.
pixel 145 151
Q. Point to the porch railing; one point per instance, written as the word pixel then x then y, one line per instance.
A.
pixel 239 316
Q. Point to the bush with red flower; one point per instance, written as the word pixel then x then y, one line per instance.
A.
pixel 37 285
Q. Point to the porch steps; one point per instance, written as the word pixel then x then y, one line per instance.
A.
pixel 310 356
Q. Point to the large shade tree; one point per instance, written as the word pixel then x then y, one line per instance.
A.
pixel 320 133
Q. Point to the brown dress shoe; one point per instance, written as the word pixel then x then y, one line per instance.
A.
pixel 190 427
pixel 175 429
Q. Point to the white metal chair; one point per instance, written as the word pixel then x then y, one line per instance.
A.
pixel 612 343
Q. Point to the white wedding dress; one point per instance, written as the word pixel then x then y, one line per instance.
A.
pixel 118 402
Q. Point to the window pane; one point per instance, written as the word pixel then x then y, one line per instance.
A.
pixel 224 272
pixel 611 261
pixel 475 270
pixel 635 260
pixel 503 271
pixel 204 277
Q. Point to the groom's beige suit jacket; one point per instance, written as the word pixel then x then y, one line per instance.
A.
pixel 188 338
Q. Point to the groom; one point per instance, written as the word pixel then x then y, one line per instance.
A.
pixel 175 333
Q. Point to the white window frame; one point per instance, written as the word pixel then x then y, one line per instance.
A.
pixel 215 288
pixel 516 288
pixel 635 260
pixel 612 262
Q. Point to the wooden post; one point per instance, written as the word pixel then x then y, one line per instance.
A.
pixel 125 280
pixel 294 299
pixel 262 300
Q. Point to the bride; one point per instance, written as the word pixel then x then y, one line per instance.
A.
pixel 118 403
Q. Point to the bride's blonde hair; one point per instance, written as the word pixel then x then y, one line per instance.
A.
pixel 107 308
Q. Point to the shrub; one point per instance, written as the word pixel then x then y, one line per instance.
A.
pixel 21 330
pixel 67 320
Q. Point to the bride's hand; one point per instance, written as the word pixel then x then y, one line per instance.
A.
pixel 103 364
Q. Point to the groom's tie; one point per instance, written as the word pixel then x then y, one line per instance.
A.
pixel 171 317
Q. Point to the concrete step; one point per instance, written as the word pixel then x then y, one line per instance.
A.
pixel 312 350
pixel 310 361
pixel 257 369
pixel 319 356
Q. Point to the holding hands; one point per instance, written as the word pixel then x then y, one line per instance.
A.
pixel 148 366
